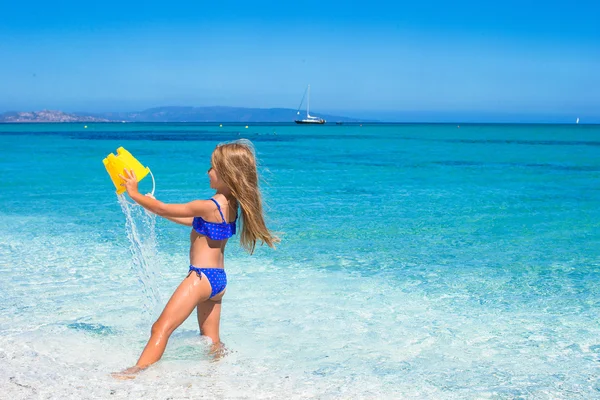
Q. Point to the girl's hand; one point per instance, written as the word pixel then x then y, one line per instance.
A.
pixel 131 183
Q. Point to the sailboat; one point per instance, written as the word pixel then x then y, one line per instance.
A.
pixel 310 119
pixel 577 121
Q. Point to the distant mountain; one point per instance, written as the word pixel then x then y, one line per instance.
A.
pixel 48 116
pixel 215 114
pixel 172 114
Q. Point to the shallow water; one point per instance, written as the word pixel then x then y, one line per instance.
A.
pixel 417 261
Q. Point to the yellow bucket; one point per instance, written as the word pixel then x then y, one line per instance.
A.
pixel 115 164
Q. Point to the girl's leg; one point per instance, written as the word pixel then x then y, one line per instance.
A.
pixel 186 297
pixel 209 318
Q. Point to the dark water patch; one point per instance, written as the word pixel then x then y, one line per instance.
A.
pixel 527 142
pixel 585 168
pixel 207 136
pixel 171 136
pixel 95 329
pixel 547 166
pixel 191 135
pixel 452 163
pixel 374 163
pixel 507 141
pixel 97 134
pixel 340 137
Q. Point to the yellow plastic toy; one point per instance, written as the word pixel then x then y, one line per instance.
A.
pixel 124 160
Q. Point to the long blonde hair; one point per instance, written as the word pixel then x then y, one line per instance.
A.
pixel 235 164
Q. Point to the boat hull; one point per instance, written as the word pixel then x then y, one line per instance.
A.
pixel 305 122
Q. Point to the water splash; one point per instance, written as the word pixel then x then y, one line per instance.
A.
pixel 141 231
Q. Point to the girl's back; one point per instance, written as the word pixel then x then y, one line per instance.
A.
pixel 203 249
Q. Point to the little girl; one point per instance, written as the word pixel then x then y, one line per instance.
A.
pixel 234 176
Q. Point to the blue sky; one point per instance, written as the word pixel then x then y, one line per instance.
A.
pixel 433 60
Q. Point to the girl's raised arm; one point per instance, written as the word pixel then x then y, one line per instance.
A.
pixel 191 209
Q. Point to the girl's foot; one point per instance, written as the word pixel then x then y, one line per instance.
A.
pixel 129 373
pixel 217 351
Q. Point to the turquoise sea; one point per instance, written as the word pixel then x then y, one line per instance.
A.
pixel 417 261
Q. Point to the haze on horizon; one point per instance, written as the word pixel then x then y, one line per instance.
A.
pixel 410 61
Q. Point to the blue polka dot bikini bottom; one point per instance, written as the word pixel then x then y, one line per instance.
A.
pixel 216 277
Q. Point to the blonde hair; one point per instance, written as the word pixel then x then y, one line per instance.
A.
pixel 235 164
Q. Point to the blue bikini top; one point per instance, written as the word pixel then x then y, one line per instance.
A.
pixel 215 230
